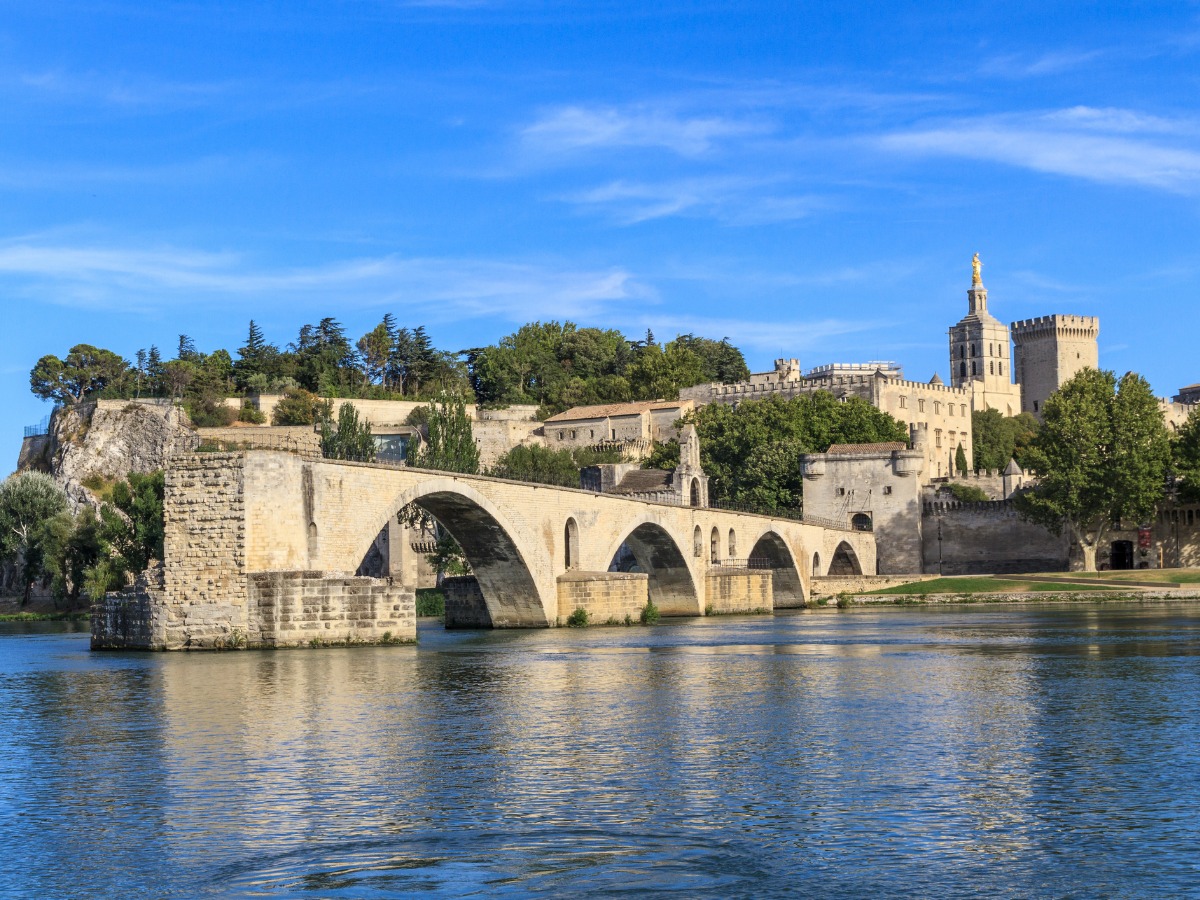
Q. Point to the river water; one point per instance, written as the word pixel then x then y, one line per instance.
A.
pixel 1043 751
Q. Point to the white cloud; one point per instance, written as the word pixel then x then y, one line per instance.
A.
pixel 1024 66
pixel 574 129
pixel 735 200
pixel 1102 145
pixel 445 289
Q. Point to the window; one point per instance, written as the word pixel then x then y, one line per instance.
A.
pixel 904 403
pixel 732 544
pixel 861 522
pixel 937 437
pixel 962 370
pixel 972 351
pixel 887 488
pixel 973 372
pixel 962 352
pixel 561 435
pixel 1035 403
pixel 841 492
pixel 992 368
pixel 999 368
pixel 937 407
pixel 963 408
pixel 920 406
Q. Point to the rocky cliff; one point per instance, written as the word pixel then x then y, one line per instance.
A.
pixel 108 439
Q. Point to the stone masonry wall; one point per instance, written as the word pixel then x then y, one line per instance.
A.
pixel 132 619
pixel 607 596
pixel 987 538
pixel 465 606
pixel 205 551
pixel 295 609
pixel 738 590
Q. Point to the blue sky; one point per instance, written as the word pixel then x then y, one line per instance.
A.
pixel 808 179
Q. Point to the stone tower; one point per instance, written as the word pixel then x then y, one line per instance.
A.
pixel 1048 351
pixel 980 360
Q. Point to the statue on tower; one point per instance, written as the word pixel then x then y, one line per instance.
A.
pixel 976 266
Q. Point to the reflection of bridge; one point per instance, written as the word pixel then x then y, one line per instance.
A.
pixel 262 546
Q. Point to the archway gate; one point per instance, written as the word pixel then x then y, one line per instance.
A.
pixel 261 547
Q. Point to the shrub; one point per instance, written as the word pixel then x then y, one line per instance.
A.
pixel 300 407
pixel 252 414
pixel 430 602
pixel 968 493
pixel 578 619
pixel 650 613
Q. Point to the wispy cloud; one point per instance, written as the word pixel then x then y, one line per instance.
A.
pixel 443 289
pixel 734 200
pixel 574 129
pixel 1101 145
pixel 1019 65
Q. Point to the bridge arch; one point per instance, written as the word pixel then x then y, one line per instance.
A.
pixel 671 586
pixel 771 551
pixel 491 545
pixel 845 561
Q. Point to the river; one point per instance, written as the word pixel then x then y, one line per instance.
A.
pixel 1033 751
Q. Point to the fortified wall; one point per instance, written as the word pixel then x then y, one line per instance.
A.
pixel 987 538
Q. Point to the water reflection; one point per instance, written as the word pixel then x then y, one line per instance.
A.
pixel 1035 751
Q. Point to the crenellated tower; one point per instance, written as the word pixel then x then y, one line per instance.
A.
pixel 1049 351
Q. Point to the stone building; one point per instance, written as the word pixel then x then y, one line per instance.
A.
pixel 685 485
pixel 1049 351
pixel 872 487
pixel 631 426
pixel 1188 396
pixel 980 359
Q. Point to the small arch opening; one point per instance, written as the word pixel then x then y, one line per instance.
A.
pixel 816 565
pixel 845 561
pixel 714 547
pixel 732 544
pixel 695 493
pixel 571 544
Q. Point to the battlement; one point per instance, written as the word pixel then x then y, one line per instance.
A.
pixel 1058 324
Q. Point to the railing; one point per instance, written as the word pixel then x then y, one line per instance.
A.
pixel 753 562
pixel 42 427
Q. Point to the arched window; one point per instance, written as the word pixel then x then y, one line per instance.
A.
pixel 972 350
pixel 962 351
pixel 732 544
pixel 962 369
pixel 992 367
pixel 571 544
pixel 695 499
pixel 697 542
pixel 973 372
pixel 714 547
pixel 861 522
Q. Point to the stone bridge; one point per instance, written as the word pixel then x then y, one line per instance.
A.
pixel 262 548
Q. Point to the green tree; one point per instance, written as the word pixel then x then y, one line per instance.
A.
pixel 29 504
pixel 660 372
pixel 1186 458
pixel 751 452
pixel 1101 457
pixel 77 546
pixel 960 460
pixel 720 360
pixel 997 439
pixel 300 407
pixel 86 371
pixel 350 438
pixel 450 446
pixel 375 349
pixel 136 536
pixel 542 465
pixel 259 363
pixel 154 371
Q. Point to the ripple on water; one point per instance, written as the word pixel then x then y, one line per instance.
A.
pixel 1028 752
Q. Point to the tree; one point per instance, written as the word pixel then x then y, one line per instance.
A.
pixel 154 370
pixel 258 362
pixel 375 348
pixel 187 348
pixel 78 545
pixel 1186 458
pixel 301 407
pixel 720 360
pixel 1101 457
pixel 451 445
pixel 349 439
pixel 86 371
pixel 29 503
pixel 960 460
pixel 136 536
pixel 141 370
pixel 751 452
pixel 660 372
pixel 996 439
pixel 542 465
pixel 177 375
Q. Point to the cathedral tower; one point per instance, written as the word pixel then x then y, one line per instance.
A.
pixel 980 359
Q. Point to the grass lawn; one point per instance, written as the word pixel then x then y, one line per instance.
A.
pixel 1166 576
pixel 986 584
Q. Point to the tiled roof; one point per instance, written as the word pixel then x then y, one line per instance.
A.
pixel 865 449
pixel 644 481
pixel 618 409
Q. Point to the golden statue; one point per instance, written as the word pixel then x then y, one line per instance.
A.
pixel 976 265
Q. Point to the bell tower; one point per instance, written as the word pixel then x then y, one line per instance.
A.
pixel 980 354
